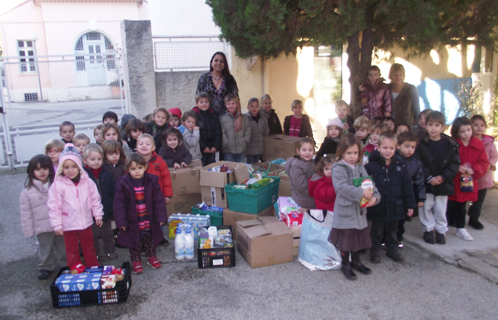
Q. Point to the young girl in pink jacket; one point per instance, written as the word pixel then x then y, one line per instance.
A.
pixel 74 200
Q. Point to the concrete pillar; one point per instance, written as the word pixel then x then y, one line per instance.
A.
pixel 138 66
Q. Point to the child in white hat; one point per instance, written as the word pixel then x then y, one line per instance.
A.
pixel 335 130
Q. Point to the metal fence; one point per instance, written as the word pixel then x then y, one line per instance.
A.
pixel 186 53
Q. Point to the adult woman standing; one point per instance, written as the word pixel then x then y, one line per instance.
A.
pixel 404 96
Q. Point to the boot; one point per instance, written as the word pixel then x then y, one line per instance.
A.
pixel 346 266
pixel 356 264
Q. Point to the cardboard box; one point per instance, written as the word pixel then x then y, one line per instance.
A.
pixel 264 241
pixel 280 146
pixel 284 189
pixel 214 196
pixel 213 183
pixel 230 218
pixel 186 180
pixel 183 203
pixel 296 239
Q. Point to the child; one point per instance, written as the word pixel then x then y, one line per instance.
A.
pixel 191 134
pixel 148 118
pixel 175 119
pixel 97 134
pixel 259 129
pixel 473 164
pixel 342 110
pixel 140 211
pixel 34 215
pixel 395 185
pixel 349 226
pixel 66 131
pixel 72 200
pixel 389 122
pixel 270 114
pixel 298 125
pixel 377 120
pixel 173 151
pixel 125 119
pixel 439 155
pixel 80 141
pixel 114 158
pixel 110 117
pixel 159 124
pixel 234 143
pixel 134 128
pixel 407 144
pixel 362 126
pixel 320 184
pixel 111 132
pixel 400 128
pixel 375 95
pixel 485 181
pixel 209 127
pixel 300 168
pixel 103 177
pixel 335 129
pixel 372 140
pixel 420 129
pixel 53 149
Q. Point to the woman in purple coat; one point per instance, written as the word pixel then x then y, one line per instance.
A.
pixel 139 211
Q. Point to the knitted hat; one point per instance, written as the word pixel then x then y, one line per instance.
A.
pixel 125 118
pixel 335 122
pixel 176 112
pixel 69 153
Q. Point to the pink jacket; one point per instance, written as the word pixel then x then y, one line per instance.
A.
pixel 487 181
pixel 378 99
pixel 71 206
pixel 34 210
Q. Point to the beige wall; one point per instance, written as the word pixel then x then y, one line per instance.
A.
pixel 249 82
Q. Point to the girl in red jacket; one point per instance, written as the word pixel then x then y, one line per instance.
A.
pixel 473 165
pixel 320 184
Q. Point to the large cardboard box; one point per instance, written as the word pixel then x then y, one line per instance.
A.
pixel 296 239
pixel 284 189
pixel 264 241
pixel 183 203
pixel 280 146
pixel 230 217
pixel 214 196
pixel 186 180
pixel 213 183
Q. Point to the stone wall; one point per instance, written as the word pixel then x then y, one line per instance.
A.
pixel 177 89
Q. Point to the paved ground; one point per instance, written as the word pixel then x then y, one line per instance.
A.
pixel 425 286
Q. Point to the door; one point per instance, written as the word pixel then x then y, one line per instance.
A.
pixel 96 68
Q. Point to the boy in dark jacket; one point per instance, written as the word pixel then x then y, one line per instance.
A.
pixel 106 184
pixel 407 144
pixel 173 151
pixel 209 127
pixel 440 159
pixel 392 179
pixel 270 114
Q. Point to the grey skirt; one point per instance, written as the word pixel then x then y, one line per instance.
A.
pixel 350 240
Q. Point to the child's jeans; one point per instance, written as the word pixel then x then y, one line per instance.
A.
pixel 253 158
pixel 378 230
pixel 48 257
pixel 237 157
pixel 85 239
pixel 105 232
pixel 433 214
pixel 145 244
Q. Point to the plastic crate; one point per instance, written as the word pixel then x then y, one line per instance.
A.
pixel 252 200
pixel 216 257
pixel 118 294
pixel 216 218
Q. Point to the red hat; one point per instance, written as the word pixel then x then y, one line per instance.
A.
pixel 176 112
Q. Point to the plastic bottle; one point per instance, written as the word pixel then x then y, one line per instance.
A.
pixel 213 231
pixel 189 243
pixel 179 243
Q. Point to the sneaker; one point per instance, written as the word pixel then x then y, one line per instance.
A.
pixel 112 256
pixel 137 267
pixel 153 262
pixel 43 274
pixel 164 242
pixel 440 239
pixel 400 244
pixel 462 233
pixel 395 256
pixel 476 224
pixel 429 237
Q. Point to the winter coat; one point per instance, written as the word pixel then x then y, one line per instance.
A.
pixel 347 211
pixel 273 121
pixel 179 155
pixel 156 132
pixel 132 143
pixel 34 210
pixel 475 155
pixel 159 168
pixel 210 129
pixel 328 146
pixel 306 130
pixel 322 190
pixel 259 130
pixel 416 169
pixel 299 172
pixel 378 99
pixel 106 184
pixel 125 211
pixel 71 206
pixel 118 170
pixel 447 167
pixel 349 121
pixel 487 180
pixel 395 186
pixel 406 106
pixel 191 141
pixel 234 142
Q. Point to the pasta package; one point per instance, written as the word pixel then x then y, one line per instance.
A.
pixel 364 183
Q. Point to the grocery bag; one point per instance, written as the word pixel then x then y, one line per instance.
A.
pixel 315 251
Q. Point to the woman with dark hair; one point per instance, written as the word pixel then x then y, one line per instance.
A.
pixel 404 97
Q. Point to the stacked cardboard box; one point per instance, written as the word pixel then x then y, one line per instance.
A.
pixel 186 188
pixel 213 183
pixel 279 146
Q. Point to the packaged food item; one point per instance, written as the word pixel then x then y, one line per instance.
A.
pixel 179 243
pixel 240 186
pixel 79 268
pixel 108 282
pixel 364 183
pixel 293 219
pixel 119 273
pixel 206 244
pixel 261 183
pixel 466 180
